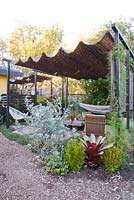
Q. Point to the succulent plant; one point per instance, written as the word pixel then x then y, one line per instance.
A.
pixel 94 148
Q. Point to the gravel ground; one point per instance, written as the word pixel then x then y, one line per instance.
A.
pixel 22 178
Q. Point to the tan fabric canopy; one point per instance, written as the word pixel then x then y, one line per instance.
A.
pixel 86 61
pixel 30 79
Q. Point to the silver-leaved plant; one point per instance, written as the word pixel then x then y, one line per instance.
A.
pixel 48 123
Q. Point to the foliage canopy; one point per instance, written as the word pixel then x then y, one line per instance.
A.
pixel 29 40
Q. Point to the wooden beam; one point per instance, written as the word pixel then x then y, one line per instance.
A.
pixel 127 87
pixel 117 72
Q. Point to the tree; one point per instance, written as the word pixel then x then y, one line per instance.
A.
pixel 126 28
pixel 98 91
pixel 28 40
pixel 3 47
pixel 74 86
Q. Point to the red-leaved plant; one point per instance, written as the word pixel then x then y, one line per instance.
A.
pixel 94 147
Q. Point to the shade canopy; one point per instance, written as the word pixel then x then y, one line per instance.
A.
pixel 85 62
pixel 30 79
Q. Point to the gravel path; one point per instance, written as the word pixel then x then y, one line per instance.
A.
pixel 22 178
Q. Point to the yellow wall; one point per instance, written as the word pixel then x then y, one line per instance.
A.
pixel 3 84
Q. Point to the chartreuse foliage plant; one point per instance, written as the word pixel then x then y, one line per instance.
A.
pixel 41 100
pixel 74 153
pixel 112 159
pixel 94 149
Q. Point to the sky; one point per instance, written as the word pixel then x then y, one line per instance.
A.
pixel 77 18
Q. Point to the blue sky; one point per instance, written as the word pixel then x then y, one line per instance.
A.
pixel 77 17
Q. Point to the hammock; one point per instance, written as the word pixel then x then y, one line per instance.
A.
pixel 16 114
pixel 96 109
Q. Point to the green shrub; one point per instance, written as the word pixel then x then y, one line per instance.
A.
pixel 131 136
pixel 97 90
pixel 112 159
pixel 121 138
pixel 74 153
pixel 57 164
pixel 21 139
pixel 41 100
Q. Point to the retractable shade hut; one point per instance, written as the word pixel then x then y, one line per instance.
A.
pixel 86 61
pixel 30 79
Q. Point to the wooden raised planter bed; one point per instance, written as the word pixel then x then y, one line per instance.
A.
pixel 95 124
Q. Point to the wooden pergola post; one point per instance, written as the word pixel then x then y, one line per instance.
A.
pixel 8 90
pixel 51 89
pixel 133 92
pixel 117 72
pixel 66 105
pixel 35 87
pixel 62 96
pixel 128 88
